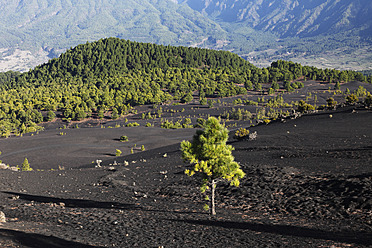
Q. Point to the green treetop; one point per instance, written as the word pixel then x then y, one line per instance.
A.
pixel 212 158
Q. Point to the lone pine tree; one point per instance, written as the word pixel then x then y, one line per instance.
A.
pixel 212 158
pixel 26 165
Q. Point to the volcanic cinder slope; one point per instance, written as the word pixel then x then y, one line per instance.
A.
pixel 308 184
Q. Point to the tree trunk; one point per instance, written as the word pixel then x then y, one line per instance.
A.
pixel 213 207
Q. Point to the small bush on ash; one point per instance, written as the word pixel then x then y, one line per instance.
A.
pixel 304 107
pixel 26 166
pixel 368 100
pixel 124 138
pixel 352 99
pixel 331 103
pixel 118 153
pixel 133 124
pixel 241 134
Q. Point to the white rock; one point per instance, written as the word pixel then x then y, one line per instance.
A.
pixel 2 217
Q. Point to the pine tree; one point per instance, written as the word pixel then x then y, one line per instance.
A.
pixel 212 158
pixel 26 166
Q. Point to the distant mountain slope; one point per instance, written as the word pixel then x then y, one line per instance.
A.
pixel 56 25
pixel 290 18
pixel 322 33
pixel 163 21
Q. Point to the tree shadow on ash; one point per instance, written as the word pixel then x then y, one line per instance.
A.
pixel 360 238
pixel 78 203
pixel 34 240
pixel 74 203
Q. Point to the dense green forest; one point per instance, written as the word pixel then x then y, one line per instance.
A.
pixel 105 79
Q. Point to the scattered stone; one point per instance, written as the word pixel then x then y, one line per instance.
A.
pixel 253 136
pixel 7 167
pixel 2 217
pixel 98 163
pixel 3 166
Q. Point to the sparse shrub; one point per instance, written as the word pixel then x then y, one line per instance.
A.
pixel 237 114
pixel 142 148
pixel 187 98
pixel 203 101
pixel 368 100
pixel 132 124
pixel 331 103
pixel 187 123
pixel 170 125
pixel 118 153
pixel 200 123
pixel 271 91
pixel 261 100
pixel 351 99
pixel 124 138
pixel 237 101
pixel 114 114
pixel 241 133
pixel 50 116
pixel 337 85
pixel 304 107
pixel 360 92
pixel 210 104
pixel 26 166
pixel 250 102
pixel 297 85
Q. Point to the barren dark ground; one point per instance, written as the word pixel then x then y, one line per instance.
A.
pixel 308 184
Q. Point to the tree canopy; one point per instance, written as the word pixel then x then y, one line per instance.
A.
pixel 212 157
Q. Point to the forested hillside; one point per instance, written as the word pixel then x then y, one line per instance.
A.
pixel 105 79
